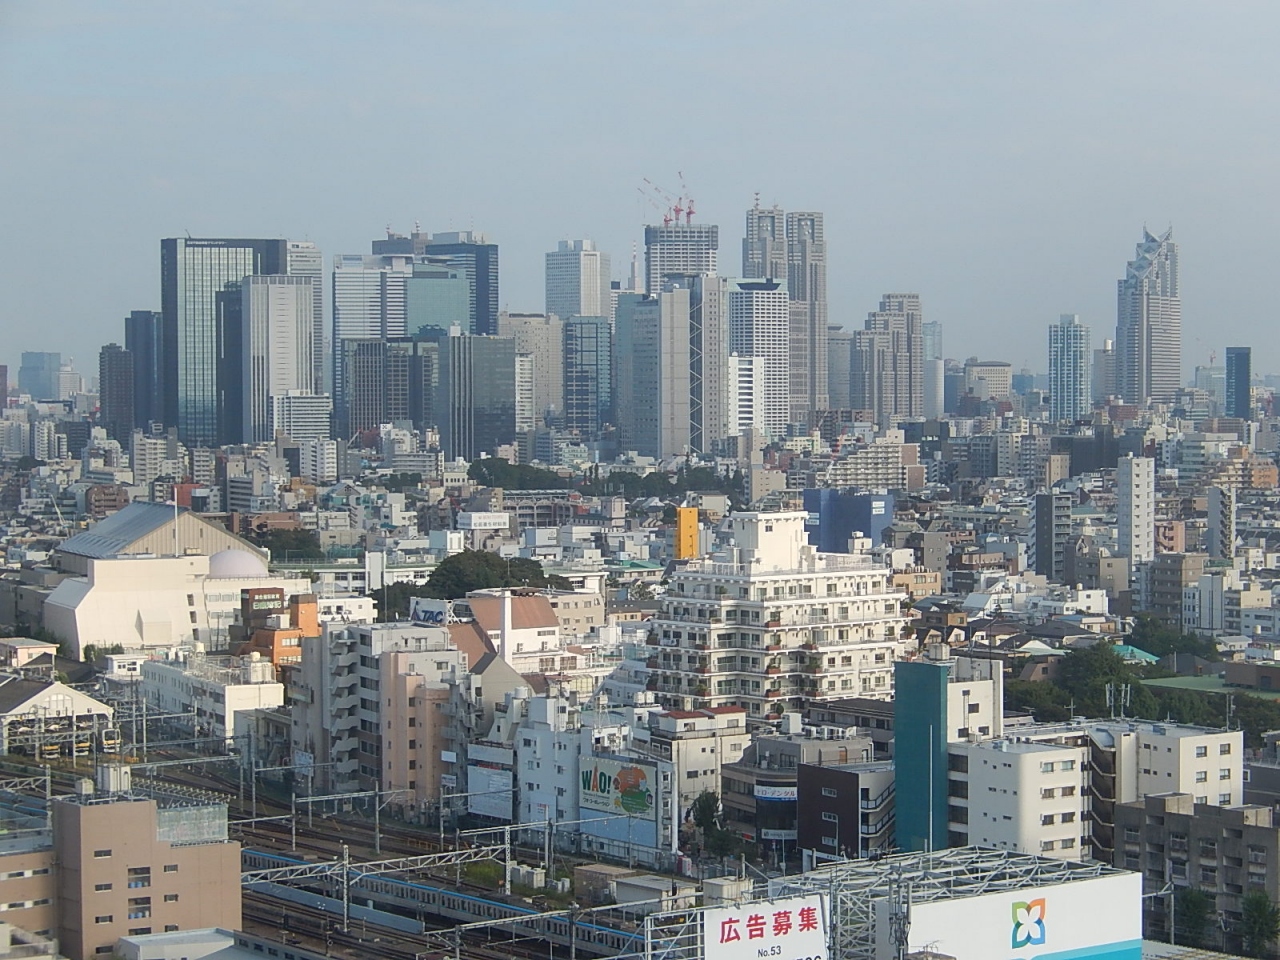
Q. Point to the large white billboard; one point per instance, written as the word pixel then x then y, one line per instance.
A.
pixel 793 928
pixel 619 787
pixel 489 792
pixel 1099 918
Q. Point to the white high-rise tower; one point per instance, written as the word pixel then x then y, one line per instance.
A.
pixel 1070 377
pixel 759 326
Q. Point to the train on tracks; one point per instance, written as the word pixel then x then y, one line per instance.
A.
pixel 412 899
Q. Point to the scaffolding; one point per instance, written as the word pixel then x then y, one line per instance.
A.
pixel 853 888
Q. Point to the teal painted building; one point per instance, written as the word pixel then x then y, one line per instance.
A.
pixel 920 753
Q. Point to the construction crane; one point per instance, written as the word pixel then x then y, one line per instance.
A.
pixel 675 205
pixel 684 192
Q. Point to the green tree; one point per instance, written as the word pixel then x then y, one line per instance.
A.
pixel 705 810
pixel 1260 923
pixel 1156 637
pixel 459 574
pixel 496 472
pixel 1193 910
pixel 287 545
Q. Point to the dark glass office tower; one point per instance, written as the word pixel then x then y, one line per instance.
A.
pixel 144 342
pixel 192 274
pixel 476 399
pixel 588 380
pixel 468 251
pixel 116 393
pixel 1239 378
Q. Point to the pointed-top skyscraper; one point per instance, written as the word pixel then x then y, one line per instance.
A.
pixel 1149 322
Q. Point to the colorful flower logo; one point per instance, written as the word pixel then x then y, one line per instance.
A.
pixel 1028 923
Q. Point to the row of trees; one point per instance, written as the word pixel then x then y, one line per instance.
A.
pixel 1195 916
pixel 495 472
pixel 1080 689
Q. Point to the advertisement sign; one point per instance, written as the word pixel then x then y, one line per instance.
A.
pixel 448 781
pixel 427 612
pixel 793 928
pixel 766 792
pixel 778 834
pixel 620 787
pixel 490 792
pixel 1099 918
pixel 475 520
pixel 304 762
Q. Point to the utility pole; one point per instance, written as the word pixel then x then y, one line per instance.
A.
pixel 346 887
pixel 293 822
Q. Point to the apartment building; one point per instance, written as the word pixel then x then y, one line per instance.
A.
pixel 1018 795
pixel 363 693
pixel 844 811
pixel 759 801
pixel 1226 851
pixel 118 863
pixel 767 623
pixel 697 744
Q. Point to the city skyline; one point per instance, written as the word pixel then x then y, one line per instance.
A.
pixel 1012 170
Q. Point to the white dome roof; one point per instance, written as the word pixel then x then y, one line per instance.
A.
pixel 236 565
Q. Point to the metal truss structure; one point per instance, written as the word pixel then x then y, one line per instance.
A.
pixel 853 888
pixel 346 874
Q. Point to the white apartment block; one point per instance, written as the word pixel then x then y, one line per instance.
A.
pixel 216 695
pixel 1136 508
pixel 697 743
pixel 768 622
pixel 1020 796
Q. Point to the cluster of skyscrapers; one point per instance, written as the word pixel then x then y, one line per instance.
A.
pixel 677 359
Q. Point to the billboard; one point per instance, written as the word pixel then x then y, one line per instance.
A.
pixel 618 786
pixel 1099 918
pixel 476 520
pixel 792 928
pixel 490 792
pixel 426 612
pixel 766 792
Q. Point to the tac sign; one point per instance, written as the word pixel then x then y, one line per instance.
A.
pixel 429 613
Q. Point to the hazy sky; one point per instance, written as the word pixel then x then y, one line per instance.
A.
pixel 1000 158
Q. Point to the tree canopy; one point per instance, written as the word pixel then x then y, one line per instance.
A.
pixel 291 544
pixel 1159 639
pixel 459 574
pixel 496 472
pixel 1080 688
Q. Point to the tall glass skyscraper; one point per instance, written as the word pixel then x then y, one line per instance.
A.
pixel 588 383
pixel 476 398
pixel 192 275
pixel 1239 380
pixel 478 259
pixel 1070 375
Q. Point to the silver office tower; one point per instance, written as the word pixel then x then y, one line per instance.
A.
pixel 578 280
pixel 1149 322
pixel 793 246
pixel 193 273
pixel 807 283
